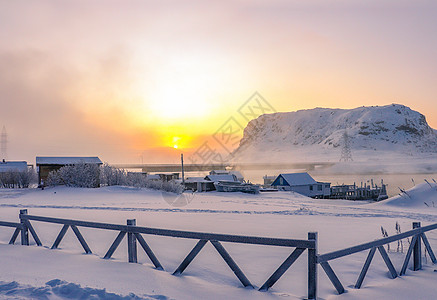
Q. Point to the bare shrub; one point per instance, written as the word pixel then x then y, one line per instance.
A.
pixel 78 175
pixel 17 179
pixel 84 175
pixel 113 176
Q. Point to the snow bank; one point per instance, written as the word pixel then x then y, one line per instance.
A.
pixel 339 223
pixel 420 196
pixel 57 288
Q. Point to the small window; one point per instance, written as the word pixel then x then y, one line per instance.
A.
pixel 311 187
pixel 319 187
pixel 281 181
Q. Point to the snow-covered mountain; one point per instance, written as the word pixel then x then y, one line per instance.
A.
pixel 391 129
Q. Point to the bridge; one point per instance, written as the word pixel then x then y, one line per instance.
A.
pixel 308 166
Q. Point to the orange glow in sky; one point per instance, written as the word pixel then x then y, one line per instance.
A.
pixel 146 80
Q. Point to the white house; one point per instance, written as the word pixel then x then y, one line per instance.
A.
pixel 13 166
pixel 302 183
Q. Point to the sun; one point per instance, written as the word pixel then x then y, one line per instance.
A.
pixel 176 142
pixel 182 89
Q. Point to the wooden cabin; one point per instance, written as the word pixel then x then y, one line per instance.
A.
pixel 46 164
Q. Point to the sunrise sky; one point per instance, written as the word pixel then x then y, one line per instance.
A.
pixel 130 81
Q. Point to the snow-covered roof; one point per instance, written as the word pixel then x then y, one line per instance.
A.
pixel 153 177
pixel 68 160
pixel 19 166
pixel 218 172
pixel 216 178
pixel 236 173
pixel 298 179
pixel 195 179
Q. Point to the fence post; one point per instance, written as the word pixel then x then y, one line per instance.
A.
pixel 132 242
pixel 312 267
pixel 417 250
pixel 24 230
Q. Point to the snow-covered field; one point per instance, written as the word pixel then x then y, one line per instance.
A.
pixel 68 273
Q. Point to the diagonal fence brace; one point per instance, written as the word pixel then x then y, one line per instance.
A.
pixel 115 244
pixel 388 262
pixel 428 248
pixel 231 263
pixel 33 233
pixel 365 268
pixel 282 269
pixel 81 239
pixel 14 236
pixel 408 256
pixel 60 236
pixel 148 251
pixel 333 277
pixel 200 244
pixel 369 258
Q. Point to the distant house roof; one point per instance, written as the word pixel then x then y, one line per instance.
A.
pixel 216 178
pixel 195 179
pixel 17 166
pixel 68 160
pixel 153 177
pixel 294 179
pixel 218 172
pixel 226 172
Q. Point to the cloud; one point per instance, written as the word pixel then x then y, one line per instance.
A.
pixel 41 112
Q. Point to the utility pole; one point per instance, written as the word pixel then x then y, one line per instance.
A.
pixel 4 144
pixel 182 163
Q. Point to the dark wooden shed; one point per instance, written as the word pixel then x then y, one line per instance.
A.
pixel 46 164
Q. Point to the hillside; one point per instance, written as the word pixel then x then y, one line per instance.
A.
pixel 318 134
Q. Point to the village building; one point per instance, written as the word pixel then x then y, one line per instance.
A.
pixel 166 177
pixel 363 192
pixel 154 177
pixel 223 177
pixel 13 166
pixel 226 172
pixel 302 183
pixel 199 184
pixel 268 180
pixel 206 184
pixel 14 174
pixel 47 164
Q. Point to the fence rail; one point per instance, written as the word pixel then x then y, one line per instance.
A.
pixel 134 234
pixel 418 236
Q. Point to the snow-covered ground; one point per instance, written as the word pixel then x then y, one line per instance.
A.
pixel 68 273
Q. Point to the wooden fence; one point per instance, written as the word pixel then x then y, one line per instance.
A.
pixel 134 234
pixel 417 234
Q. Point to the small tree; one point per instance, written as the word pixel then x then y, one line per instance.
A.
pixel 78 175
pixel 17 179
pixel 112 176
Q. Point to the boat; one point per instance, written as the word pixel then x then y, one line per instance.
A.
pixel 236 186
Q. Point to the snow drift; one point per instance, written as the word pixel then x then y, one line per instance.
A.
pixel 420 196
